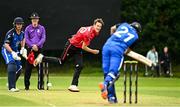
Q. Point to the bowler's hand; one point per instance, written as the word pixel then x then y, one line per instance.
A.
pixel 95 51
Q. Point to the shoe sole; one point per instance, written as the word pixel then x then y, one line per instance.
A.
pixel 104 93
pixel 26 88
pixel 111 102
pixel 74 90
pixel 14 91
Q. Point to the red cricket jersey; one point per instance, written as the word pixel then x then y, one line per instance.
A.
pixel 84 34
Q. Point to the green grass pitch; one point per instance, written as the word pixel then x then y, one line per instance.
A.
pixel 152 92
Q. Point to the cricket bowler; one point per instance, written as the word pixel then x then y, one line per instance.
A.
pixel 74 48
pixel 121 41
pixel 14 46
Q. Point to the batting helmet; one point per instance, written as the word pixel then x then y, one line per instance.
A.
pixel 18 20
pixel 34 15
pixel 137 26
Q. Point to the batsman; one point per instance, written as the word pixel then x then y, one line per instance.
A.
pixel 12 48
pixel 122 39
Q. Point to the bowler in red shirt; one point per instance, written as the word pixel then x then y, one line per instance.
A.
pixel 74 47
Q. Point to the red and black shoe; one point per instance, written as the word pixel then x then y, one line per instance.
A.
pixel 104 92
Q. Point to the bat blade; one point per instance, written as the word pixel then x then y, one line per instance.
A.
pixel 139 58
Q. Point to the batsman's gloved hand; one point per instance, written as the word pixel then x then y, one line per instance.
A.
pixel 15 56
pixel 23 52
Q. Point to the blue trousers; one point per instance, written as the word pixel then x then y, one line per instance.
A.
pixel 112 61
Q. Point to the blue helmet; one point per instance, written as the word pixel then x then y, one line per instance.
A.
pixel 18 20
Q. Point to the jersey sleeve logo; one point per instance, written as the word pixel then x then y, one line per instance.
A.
pixel 9 36
pixel 38 31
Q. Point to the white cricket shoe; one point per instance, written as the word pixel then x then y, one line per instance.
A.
pixel 14 90
pixel 73 88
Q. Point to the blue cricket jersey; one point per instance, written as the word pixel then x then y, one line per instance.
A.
pixel 14 41
pixel 124 36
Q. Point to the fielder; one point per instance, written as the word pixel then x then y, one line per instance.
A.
pixel 74 47
pixel 122 37
pixel 14 46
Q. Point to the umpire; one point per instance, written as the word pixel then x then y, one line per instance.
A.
pixel 35 36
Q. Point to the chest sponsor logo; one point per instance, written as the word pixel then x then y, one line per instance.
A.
pixel 38 31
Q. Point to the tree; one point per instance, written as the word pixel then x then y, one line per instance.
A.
pixel 160 23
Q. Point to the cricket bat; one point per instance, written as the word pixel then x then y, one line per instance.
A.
pixel 139 58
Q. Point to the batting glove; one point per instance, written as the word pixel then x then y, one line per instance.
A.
pixel 15 56
pixel 23 52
